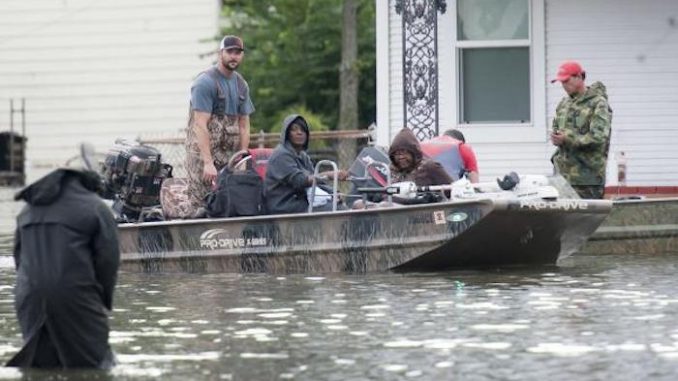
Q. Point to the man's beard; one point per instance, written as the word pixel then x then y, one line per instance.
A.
pixel 230 65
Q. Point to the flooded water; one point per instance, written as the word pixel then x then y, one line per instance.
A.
pixel 590 318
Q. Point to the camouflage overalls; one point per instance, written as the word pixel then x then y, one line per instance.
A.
pixel 585 120
pixel 224 140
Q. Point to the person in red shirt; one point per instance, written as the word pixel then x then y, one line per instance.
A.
pixel 455 155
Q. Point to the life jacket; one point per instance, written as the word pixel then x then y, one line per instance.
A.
pixel 445 150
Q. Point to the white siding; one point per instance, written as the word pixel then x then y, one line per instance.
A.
pixel 499 149
pixel 395 44
pixel 96 70
pixel 632 47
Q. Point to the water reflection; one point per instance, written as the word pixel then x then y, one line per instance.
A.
pixel 591 318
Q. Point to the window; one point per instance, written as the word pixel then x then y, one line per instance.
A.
pixel 493 43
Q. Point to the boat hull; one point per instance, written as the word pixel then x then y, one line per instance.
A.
pixel 427 237
pixel 647 226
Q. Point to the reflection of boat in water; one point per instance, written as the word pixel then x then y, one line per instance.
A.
pixel 473 233
pixel 647 226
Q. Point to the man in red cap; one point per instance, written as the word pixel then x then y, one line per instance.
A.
pixel 581 132
pixel 219 123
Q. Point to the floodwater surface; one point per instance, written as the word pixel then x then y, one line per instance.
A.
pixel 589 318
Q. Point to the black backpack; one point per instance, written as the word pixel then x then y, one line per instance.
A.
pixel 238 194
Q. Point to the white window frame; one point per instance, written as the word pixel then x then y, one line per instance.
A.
pixel 450 93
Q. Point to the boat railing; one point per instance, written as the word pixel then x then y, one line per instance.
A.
pixel 314 185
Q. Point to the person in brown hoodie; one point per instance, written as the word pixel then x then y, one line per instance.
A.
pixel 409 164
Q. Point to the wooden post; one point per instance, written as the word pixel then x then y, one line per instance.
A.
pixel 261 138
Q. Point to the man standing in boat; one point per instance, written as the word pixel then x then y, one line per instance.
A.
pixel 581 131
pixel 219 122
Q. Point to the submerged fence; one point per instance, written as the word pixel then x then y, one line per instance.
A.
pixel 330 145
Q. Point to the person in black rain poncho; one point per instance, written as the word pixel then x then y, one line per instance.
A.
pixel 66 255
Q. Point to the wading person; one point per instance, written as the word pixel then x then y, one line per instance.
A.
pixel 219 124
pixel 289 175
pixel 66 255
pixel 581 131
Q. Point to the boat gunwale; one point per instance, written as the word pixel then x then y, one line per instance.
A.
pixel 496 204
pixel 658 200
pixel 305 215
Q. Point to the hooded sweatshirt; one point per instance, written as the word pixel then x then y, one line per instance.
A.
pixel 424 171
pixel 287 173
pixel 585 120
pixel 66 255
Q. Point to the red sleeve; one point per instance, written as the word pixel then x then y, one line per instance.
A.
pixel 468 157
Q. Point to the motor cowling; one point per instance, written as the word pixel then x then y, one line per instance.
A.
pixel 133 175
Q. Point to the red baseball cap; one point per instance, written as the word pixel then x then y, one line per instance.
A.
pixel 566 70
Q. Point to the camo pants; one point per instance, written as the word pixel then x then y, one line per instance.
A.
pixel 590 191
pixel 224 139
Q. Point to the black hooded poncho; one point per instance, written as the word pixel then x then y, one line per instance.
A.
pixel 66 254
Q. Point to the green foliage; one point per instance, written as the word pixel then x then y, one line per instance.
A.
pixel 315 122
pixel 293 52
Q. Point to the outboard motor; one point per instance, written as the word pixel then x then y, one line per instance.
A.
pixel 133 174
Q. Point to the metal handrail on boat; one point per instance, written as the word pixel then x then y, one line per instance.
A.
pixel 335 183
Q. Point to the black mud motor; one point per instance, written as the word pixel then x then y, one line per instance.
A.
pixel 133 175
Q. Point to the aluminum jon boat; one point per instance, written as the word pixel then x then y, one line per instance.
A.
pixel 428 237
pixel 519 220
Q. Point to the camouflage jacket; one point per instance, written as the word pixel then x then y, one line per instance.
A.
pixel 585 120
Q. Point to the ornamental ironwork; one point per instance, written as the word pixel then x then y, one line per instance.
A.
pixel 420 64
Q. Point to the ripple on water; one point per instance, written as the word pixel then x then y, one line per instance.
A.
pixel 253 332
pixel 7 373
pixel 491 346
pixel 150 332
pixel 341 361
pixel 264 356
pixel 505 328
pixel 394 367
pixel 136 358
pixel 160 308
pixel 275 315
pixel 244 310
pixel 5 349
pixel 6 261
pixel 559 349
pixel 375 307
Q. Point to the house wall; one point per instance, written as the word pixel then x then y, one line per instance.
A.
pixel 630 46
pixel 97 70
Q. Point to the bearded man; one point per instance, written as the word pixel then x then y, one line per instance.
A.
pixel 219 122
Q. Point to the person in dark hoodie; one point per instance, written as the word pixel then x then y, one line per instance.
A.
pixel 290 171
pixel 409 164
pixel 66 255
